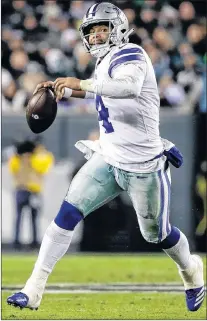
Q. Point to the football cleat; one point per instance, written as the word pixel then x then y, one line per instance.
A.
pixel 194 298
pixel 18 300
pixel 194 284
pixel 22 301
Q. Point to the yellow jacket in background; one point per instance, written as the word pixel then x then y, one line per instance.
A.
pixel 29 169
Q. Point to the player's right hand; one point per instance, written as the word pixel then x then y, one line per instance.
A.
pixel 44 84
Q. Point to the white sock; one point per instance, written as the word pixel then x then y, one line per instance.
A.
pixel 180 253
pixel 54 245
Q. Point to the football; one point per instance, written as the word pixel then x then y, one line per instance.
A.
pixel 41 110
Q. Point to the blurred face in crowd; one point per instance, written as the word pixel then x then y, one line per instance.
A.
pixel 186 10
pixel 194 33
pixel 154 55
pixel 30 80
pixel 15 44
pixel 163 38
pixel 18 4
pixel 30 22
pixel 76 5
pixel 7 34
pixel 18 59
pixel 50 2
pixel 147 15
pixel 185 49
pixel 152 51
pixel 130 14
pixel 10 90
pixel 63 24
pixel 189 61
pixel 98 34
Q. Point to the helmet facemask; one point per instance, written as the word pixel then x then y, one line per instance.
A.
pixel 97 49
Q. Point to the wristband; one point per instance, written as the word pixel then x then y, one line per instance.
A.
pixel 87 85
pixel 68 93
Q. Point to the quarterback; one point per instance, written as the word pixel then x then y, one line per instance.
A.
pixel 130 155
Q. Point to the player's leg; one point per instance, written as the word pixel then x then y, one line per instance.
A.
pixel 150 195
pixel 93 186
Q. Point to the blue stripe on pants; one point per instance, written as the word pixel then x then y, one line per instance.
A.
pixel 164 205
pixel 161 205
pixel 168 206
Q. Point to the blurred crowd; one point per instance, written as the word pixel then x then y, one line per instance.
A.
pixel 40 40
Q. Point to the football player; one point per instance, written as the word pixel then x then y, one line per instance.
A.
pixel 130 155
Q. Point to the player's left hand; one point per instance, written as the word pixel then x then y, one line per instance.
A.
pixel 61 83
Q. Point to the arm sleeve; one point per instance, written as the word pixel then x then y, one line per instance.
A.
pixel 126 81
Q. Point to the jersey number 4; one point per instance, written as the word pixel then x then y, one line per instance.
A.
pixel 103 114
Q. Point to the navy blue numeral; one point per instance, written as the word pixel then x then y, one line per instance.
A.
pixel 103 114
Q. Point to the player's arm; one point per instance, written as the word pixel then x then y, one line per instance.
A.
pixel 76 94
pixel 125 77
pixel 65 92
pixel 125 82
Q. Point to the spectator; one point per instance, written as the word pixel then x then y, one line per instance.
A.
pixel 84 66
pixel 163 39
pixel 31 79
pixel 13 99
pixel 50 10
pixel 19 9
pixel 69 35
pixel 148 20
pixel 19 61
pixel 42 36
pixel 159 60
pixel 171 93
pixel 169 19
pixel 191 80
pixel 33 31
pixel 58 64
pixel 187 15
pixel 196 36
pixel 28 167
pixel 16 43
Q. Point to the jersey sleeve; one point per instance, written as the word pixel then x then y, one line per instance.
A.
pixel 125 56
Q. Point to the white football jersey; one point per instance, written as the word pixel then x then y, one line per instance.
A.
pixel 129 126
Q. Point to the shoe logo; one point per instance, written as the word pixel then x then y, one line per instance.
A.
pixel 199 297
pixel 22 300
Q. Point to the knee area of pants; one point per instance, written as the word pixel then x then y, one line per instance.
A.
pixel 68 216
pixel 149 237
pixel 163 242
